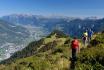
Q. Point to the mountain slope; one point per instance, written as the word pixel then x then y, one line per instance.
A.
pixel 53 53
pixel 14 37
pixel 11 30
pixel 47 52
pixel 11 38
pixel 92 58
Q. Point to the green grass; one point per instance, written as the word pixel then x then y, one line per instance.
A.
pixel 92 58
pixel 51 59
pixel 57 58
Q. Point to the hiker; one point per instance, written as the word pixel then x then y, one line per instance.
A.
pixel 75 48
pixel 90 33
pixel 85 38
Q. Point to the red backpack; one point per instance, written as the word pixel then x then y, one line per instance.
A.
pixel 75 43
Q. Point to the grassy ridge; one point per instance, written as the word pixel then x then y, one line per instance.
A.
pixel 53 53
pixel 92 58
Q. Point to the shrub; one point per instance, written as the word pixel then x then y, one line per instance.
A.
pixel 91 59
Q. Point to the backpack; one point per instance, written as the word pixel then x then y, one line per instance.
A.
pixel 90 33
pixel 75 43
pixel 84 38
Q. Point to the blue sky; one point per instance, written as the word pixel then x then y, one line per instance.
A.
pixel 74 8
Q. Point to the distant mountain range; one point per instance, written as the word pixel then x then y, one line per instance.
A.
pixel 70 25
pixel 16 31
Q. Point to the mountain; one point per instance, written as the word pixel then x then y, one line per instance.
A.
pixel 11 30
pixel 42 54
pixel 11 38
pixel 25 19
pixel 15 37
pixel 35 27
pixel 42 45
pixel 70 25
pixel 53 53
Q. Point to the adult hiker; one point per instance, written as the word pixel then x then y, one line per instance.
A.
pixel 75 48
pixel 90 33
pixel 85 38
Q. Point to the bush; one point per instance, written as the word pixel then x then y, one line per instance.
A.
pixel 99 39
pixel 91 58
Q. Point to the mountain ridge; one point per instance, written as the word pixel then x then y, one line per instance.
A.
pixel 38 46
pixel 70 25
pixel 54 54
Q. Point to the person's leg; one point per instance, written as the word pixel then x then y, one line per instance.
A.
pixel 89 39
pixel 74 54
pixel 84 43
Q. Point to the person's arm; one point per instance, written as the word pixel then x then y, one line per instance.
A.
pixel 71 44
pixel 78 48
